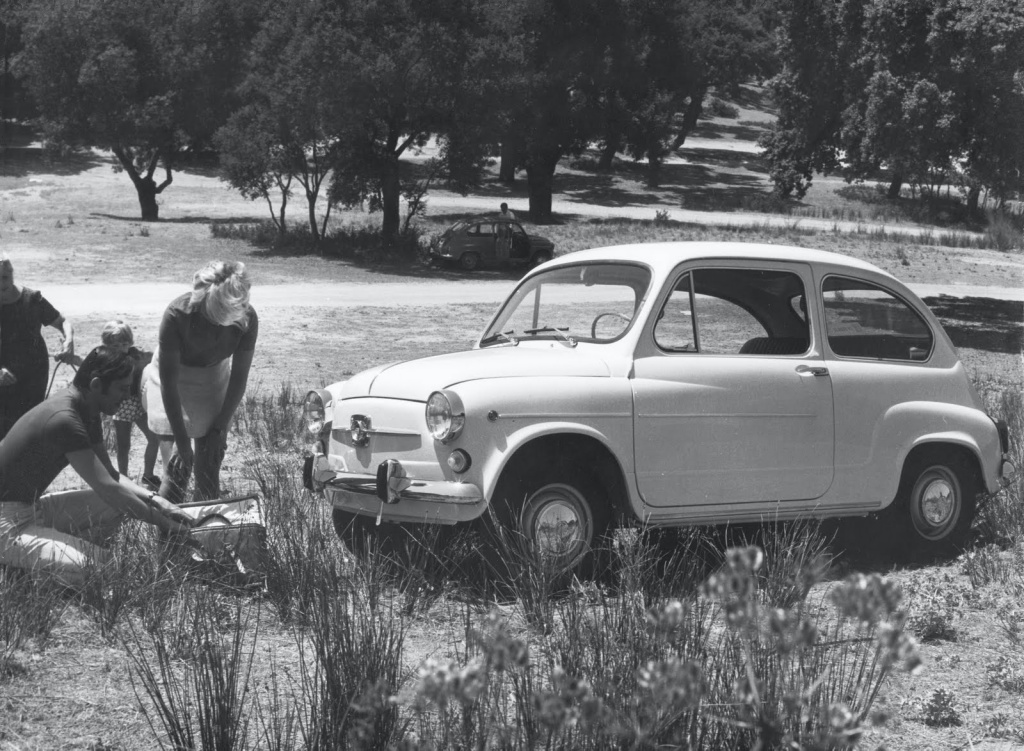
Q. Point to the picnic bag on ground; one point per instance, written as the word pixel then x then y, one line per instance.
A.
pixel 232 534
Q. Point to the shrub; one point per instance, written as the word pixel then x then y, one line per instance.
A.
pixel 716 107
pixel 940 710
pixel 199 702
pixel 1002 232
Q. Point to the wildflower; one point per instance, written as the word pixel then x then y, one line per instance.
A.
pixel 672 682
pixel 866 598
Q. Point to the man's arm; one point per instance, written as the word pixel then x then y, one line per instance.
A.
pixel 127 497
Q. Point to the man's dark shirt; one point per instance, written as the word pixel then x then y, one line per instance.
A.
pixel 35 450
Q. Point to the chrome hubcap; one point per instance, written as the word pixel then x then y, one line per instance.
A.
pixel 560 527
pixel 938 502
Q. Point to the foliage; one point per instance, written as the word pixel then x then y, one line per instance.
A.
pixel 146 81
pixel 940 709
pixel 926 89
pixel 198 704
pixel 396 73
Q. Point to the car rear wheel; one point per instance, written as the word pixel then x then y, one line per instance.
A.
pixel 554 517
pixel 937 500
pixel 469 261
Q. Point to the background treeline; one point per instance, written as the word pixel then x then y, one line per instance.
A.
pixel 329 95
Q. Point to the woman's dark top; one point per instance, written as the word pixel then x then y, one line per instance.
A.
pixel 198 341
pixel 23 352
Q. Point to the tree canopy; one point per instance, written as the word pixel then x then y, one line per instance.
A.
pixel 929 90
pixel 148 81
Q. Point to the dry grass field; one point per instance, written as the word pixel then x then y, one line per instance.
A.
pixel 82 672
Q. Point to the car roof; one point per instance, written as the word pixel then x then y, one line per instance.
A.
pixel 667 255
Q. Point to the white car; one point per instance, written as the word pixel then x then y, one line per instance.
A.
pixel 670 384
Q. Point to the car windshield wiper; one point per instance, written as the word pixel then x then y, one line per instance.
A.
pixel 500 336
pixel 557 331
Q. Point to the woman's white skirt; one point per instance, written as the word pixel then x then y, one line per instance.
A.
pixel 201 390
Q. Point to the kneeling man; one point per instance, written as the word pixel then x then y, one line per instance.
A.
pixel 65 532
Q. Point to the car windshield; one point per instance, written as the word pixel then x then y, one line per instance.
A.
pixel 594 302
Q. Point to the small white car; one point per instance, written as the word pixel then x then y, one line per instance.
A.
pixel 670 384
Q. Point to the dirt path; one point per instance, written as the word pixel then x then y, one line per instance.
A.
pixel 133 300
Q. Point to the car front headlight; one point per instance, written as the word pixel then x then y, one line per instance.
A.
pixel 314 410
pixel 445 415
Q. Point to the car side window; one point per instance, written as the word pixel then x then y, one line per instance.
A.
pixel 481 229
pixel 752 312
pixel 725 327
pixel 674 330
pixel 866 321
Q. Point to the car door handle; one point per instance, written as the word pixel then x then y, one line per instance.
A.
pixel 813 370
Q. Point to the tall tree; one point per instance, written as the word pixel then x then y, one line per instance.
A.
pixel 676 53
pixel 401 71
pixel 927 89
pixel 283 133
pixel 148 81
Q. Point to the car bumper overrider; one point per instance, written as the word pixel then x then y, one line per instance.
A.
pixel 391 493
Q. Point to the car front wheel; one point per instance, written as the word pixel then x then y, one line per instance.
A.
pixel 554 517
pixel 937 500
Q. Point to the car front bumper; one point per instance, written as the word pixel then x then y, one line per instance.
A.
pixel 391 494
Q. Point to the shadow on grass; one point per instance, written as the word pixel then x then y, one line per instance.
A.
pixel 980 322
pixel 22 161
pixel 183 219
pixel 741 130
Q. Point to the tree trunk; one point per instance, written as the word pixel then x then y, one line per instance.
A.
pixel 972 199
pixel 314 229
pixel 653 170
pixel 540 181
pixel 390 200
pixel 509 157
pixel 146 188
pixel 608 152
pixel 895 187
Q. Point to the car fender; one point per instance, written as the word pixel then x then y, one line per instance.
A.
pixel 504 415
pixel 909 425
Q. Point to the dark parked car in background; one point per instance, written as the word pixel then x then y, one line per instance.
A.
pixel 472 243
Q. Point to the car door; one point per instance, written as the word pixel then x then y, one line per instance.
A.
pixel 481 240
pixel 732 399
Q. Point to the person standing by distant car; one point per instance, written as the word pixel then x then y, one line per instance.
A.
pixel 24 360
pixel 506 212
pixel 198 376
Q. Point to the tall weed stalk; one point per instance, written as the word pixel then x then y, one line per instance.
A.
pixel 200 702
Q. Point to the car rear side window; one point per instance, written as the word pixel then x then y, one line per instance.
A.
pixel 863 320
pixel 481 229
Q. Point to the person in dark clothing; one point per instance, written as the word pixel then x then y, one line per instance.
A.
pixel 24 360
pixel 66 532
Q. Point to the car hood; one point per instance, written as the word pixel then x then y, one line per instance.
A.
pixel 540 242
pixel 417 379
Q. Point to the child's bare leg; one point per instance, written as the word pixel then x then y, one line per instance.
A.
pixel 152 447
pixel 123 432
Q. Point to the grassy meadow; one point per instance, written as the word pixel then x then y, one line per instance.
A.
pixel 782 636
